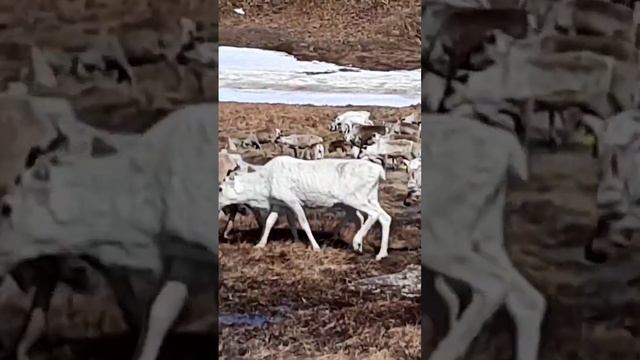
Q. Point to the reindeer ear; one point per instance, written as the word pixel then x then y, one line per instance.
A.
pixel 406 164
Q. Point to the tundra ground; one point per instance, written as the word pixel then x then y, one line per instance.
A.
pixel 322 316
pixel 371 34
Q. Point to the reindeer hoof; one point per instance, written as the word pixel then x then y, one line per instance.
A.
pixel 316 248
pixel 381 256
pixel 260 245
pixel 357 245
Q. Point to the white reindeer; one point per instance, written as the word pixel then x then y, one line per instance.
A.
pixel 350 118
pixel 315 152
pixel 295 183
pixel 465 185
pixel 123 202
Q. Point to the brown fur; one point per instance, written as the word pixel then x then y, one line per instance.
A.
pixel 339 144
pixel 363 135
pixel 406 129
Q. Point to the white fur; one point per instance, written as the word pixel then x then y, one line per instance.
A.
pixel 414 184
pixel 465 189
pixel 296 183
pixel 414 168
pixel 114 207
pixel 316 152
pixel 350 118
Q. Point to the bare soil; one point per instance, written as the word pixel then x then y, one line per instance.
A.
pixel 324 317
pixel 371 34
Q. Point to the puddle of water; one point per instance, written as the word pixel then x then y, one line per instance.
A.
pixel 248 320
pixel 253 320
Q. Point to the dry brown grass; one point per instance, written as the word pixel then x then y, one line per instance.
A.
pixel 374 34
pixel 328 319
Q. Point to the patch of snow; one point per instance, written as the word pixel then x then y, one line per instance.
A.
pixel 266 76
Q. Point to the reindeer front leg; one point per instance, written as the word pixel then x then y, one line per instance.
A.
pixel 164 312
pixel 36 327
pixel 229 224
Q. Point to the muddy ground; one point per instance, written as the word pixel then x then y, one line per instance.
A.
pixel 370 34
pixel 321 316
pixel 592 309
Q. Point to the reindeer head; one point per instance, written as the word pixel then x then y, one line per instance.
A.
pixel 232 190
pixel 29 200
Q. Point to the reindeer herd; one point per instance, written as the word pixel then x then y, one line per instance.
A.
pixel 286 185
pixel 496 73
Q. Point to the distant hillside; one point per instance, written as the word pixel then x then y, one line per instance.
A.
pixel 372 34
